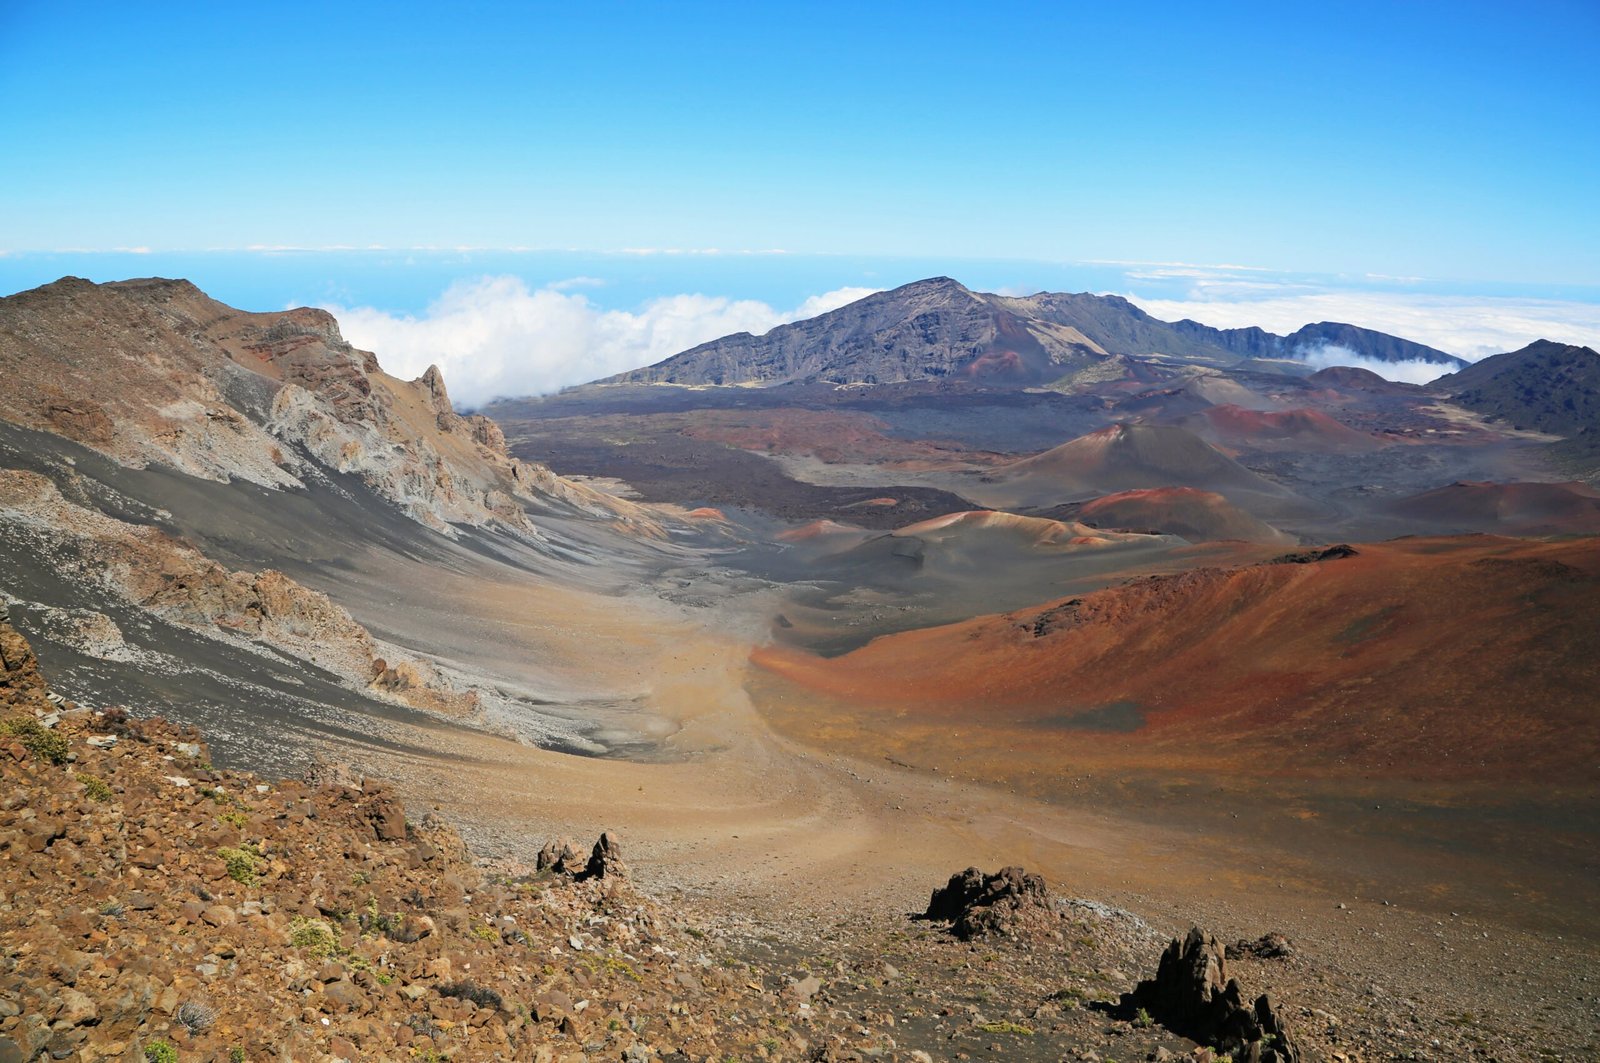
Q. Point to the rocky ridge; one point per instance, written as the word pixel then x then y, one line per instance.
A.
pixel 155 371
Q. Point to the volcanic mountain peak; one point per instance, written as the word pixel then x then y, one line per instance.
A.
pixel 937 329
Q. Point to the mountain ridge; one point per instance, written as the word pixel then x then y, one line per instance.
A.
pixel 937 328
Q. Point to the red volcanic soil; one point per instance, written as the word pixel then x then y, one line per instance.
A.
pixel 1199 516
pixel 1302 428
pixel 1527 508
pixel 1474 658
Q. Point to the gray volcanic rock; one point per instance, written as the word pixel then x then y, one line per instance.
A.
pixel 938 329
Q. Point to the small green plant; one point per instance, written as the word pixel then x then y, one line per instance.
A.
pixel 234 818
pixel 244 863
pixel 314 936
pixel 429 1055
pixel 1006 1027
pixel 93 788
pixel 382 978
pixel 622 967
pixel 486 933
pixel 1142 1019
pixel 160 1052
pixel 361 878
pixel 235 1054
pixel 36 738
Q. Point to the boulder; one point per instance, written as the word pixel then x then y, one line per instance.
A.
pixel 976 904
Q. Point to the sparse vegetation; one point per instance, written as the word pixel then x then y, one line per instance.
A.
pixel 36 738
pixel 160 1052
pixel 1006 1027
pixel 94 788
pixel 314 937
pixel 1142 1019
pixel 196 1017
pixel 244 863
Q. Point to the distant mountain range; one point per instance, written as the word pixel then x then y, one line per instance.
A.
pixel 939 329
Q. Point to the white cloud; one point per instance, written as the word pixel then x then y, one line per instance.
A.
pixel 573 283
pixel 1471 327
pixel 495 337
pixel 822 304
pixel 1408 372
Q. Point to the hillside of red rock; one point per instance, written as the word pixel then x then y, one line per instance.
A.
pixel 1443 658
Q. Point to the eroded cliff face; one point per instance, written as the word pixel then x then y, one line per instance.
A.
pixel 170 579
pixel 156 372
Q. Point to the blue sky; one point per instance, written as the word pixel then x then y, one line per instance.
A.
pixel 1394 138
pixel 1380 147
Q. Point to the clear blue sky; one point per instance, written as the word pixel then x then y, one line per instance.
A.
pixel 1448 141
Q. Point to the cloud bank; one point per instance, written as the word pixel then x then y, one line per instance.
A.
pixel 1408 372
pixel 494 337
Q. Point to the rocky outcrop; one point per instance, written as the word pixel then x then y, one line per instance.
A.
pixel 1192 995
pixel 605 861
pixel 559 857
pixel 1009 902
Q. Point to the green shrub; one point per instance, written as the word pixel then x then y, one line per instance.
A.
pixel 1006 1027
pixel 244 863
pixel 160 1052
pixel 94 789
pixel 36 738
pixel 315 936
